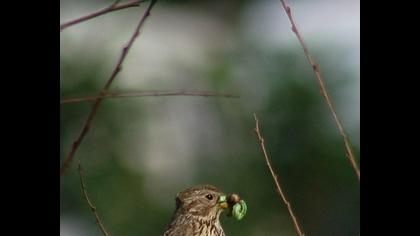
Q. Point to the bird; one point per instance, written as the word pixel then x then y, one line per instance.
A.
pixel 197 212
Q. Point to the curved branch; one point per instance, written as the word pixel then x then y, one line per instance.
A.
pixel 89 201
pixel 113 7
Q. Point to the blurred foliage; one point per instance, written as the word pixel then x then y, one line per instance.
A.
pixel 303 143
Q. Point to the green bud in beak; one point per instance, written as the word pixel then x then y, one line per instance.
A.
pixel 239 210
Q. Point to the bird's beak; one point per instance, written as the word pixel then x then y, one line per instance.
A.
pixel 223 202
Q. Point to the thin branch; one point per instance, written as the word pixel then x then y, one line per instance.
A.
pixel 324 92
pixel 104 90
pixel 276 181
pixel 151 93
pixel 89 201
pixel 113 7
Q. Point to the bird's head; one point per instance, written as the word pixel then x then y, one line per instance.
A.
pixel 203 200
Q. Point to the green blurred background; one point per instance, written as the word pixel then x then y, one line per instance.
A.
pixel 141 151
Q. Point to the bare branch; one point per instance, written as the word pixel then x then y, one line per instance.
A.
pixel 113 7
pixel 150 93
pixel 104 90
pixel 89 201
pixel 276 181
pixel 324 92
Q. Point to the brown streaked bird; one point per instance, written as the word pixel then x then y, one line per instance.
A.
pixel 197 212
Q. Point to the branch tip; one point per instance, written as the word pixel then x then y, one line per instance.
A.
pixel 95 107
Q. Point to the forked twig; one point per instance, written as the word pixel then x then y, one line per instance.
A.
pixel 113 7
pixel 149 93
pixel 276 181
pixel 89 201
pixel 104 90
pixel 324 92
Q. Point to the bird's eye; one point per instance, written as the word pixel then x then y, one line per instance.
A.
pixel 209 197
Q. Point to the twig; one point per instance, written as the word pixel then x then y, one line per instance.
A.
pixel 147 94
pixel 113 7
pixel 104 90
pixel 276 181
pixel 89 201
pixel 324 92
